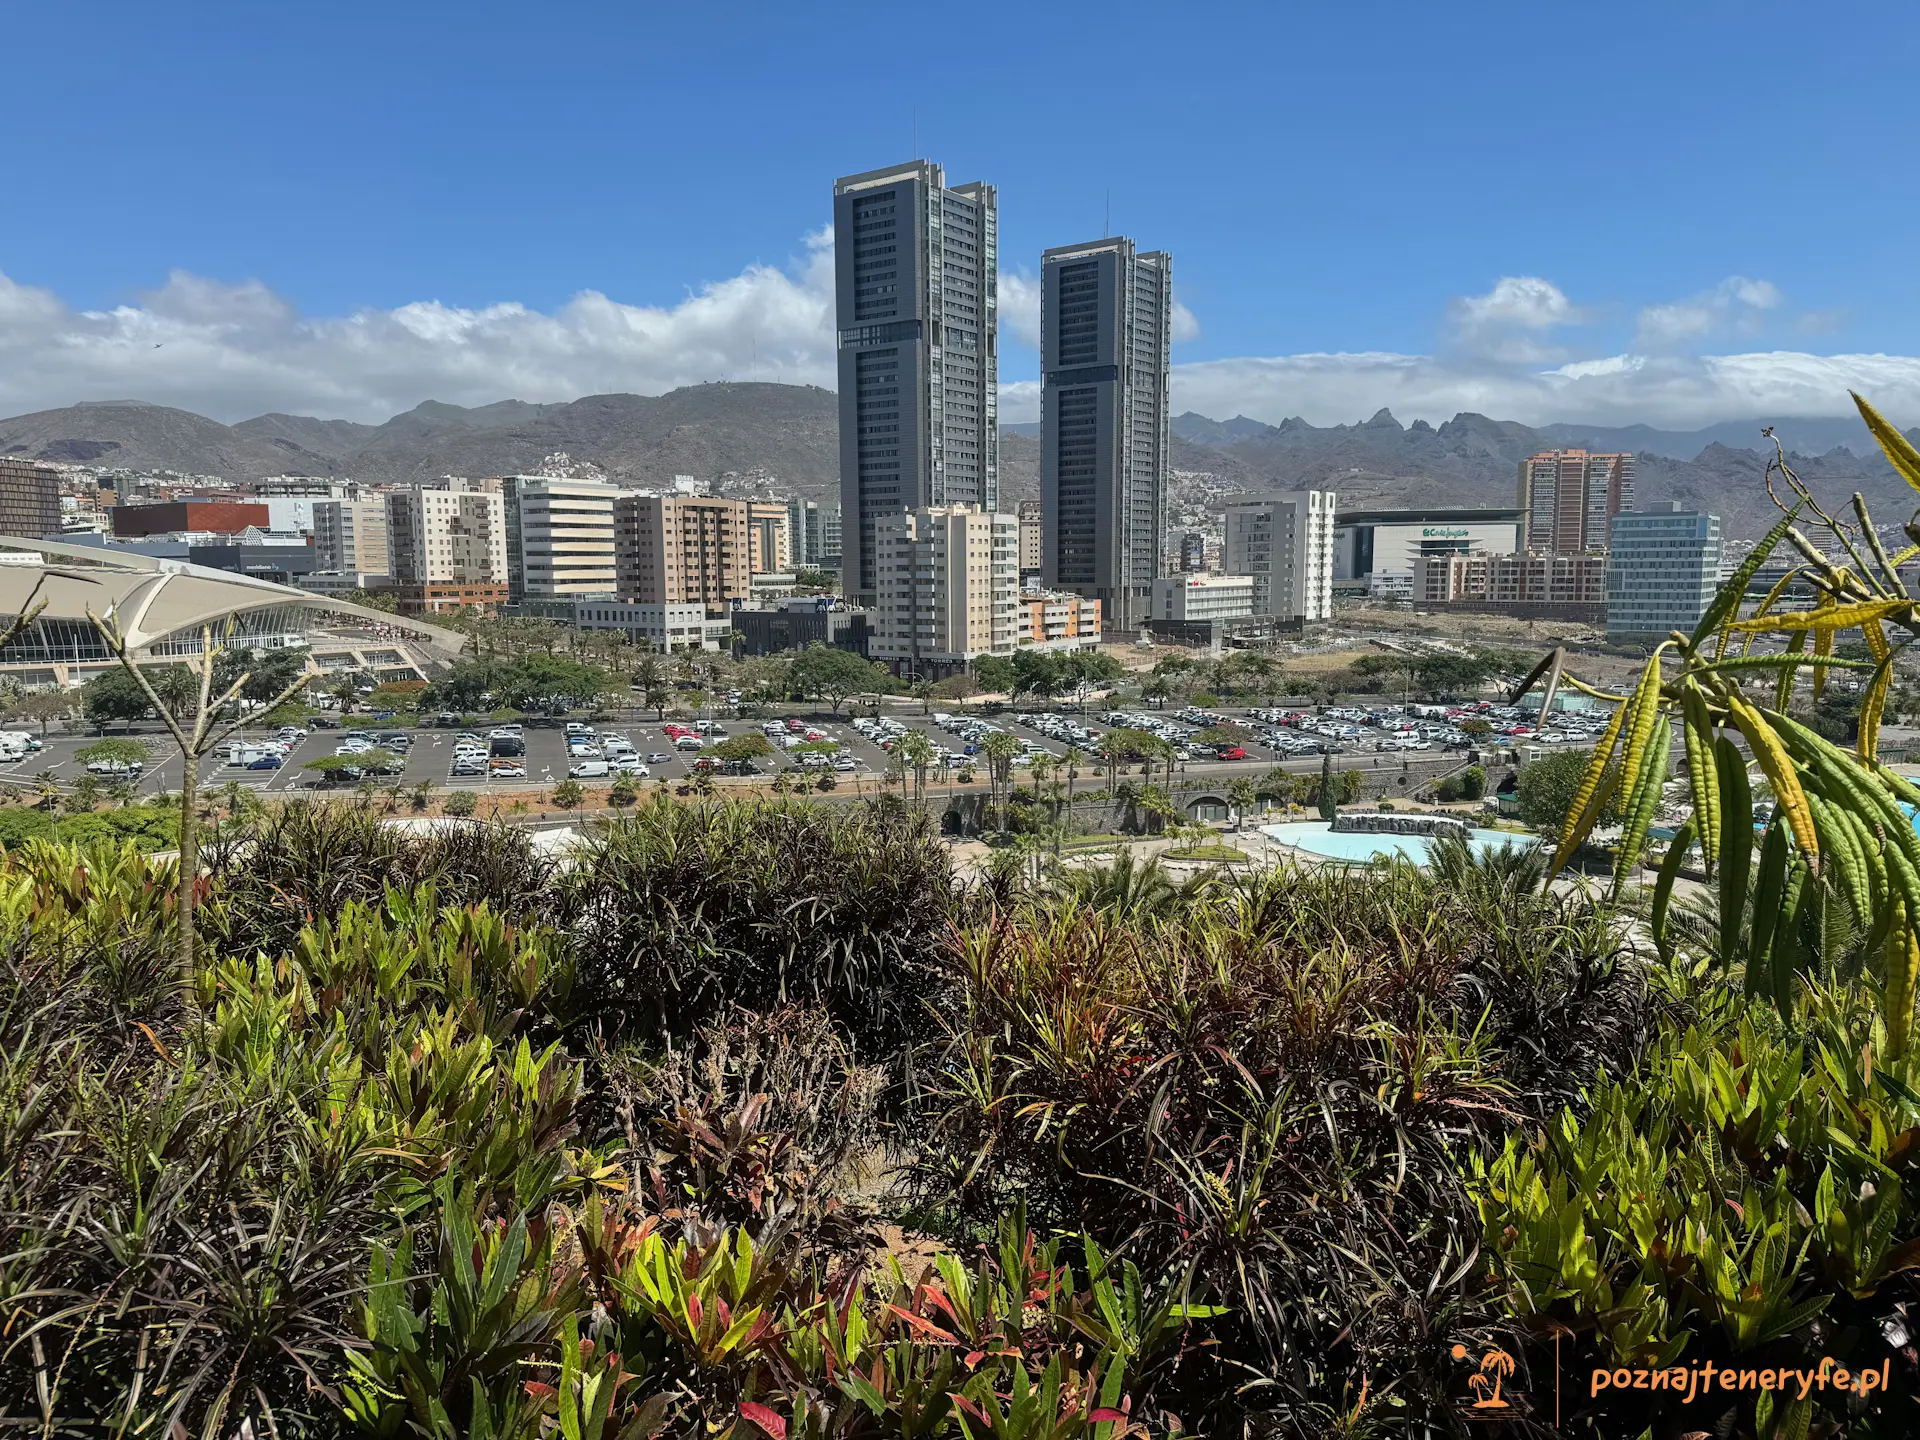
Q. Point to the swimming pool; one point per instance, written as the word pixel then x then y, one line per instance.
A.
pixel 1356 847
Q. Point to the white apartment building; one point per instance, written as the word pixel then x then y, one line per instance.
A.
pixel 559 538
pixel 947 588
pixel 350 536
pixel 662 627
pixel 1185 599
pixel 438 537
pixel 1286 545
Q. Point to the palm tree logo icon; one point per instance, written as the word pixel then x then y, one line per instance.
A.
pixel 1495 1366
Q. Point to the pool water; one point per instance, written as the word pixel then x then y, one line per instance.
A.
pixel 1318 838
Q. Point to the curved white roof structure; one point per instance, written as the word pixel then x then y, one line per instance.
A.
pixel 151 599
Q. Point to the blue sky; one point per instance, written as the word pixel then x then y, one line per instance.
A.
pixel 362 206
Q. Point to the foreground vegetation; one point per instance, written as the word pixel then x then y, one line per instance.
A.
pixel 755 1120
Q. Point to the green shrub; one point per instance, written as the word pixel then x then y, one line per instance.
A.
pixel 569 794
pixel 460 803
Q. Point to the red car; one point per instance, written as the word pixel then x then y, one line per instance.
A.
pixel 1232 752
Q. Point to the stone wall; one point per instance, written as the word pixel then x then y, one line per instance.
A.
pixel 1398 824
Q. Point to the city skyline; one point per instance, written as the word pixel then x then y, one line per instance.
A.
pixel 446 252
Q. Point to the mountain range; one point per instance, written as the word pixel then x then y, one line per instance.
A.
pixel 790 434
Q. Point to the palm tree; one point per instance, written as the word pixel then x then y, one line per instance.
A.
pixel 999 748
pixel 916 751
pixel 1243 793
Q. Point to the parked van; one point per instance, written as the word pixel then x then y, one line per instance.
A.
pixel 13 745
pixel 590 770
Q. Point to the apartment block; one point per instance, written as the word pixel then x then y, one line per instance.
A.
pixel 1527 586
pixel 1569 499
pixel 1194 599
pixel 916 296
pixel 813 531
pixel 1106 315
pixel 1193 553
pixel 948 581
pixel 769 538
pixel 1662 572
pixel 350 536
pixel 1057 620
pixel 1032 539
pixel 1286 545
pixel 560 538
pixel 448 540
pixel 682 550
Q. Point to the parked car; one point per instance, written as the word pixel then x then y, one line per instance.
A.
pixel 266 762
pixel 658 759
pixel 589 770
pixel 513 771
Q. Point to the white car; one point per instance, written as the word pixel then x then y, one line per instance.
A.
pixel 115 767
pixel 631 766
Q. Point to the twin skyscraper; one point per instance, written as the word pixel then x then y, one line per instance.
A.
pixel 917 295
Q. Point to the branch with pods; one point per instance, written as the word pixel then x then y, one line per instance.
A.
pixel 197 735
pixel 1841 833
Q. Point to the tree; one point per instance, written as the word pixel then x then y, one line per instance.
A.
pixel 833 674
pixel 113 696
pixel 999 748
pixel 916 752
pixel 1352 785
pixel 995 674
pixel 460 803
pixel 1547 787
pixel 45 706
pixel 623 792
pixel 957 688
pixel 1329 806
pixel 197 734
pixel 1243 793
pixel 652 684
pixel 568 794
pixel 742 749
pixel 115 750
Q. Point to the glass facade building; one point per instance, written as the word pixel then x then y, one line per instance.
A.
pixel 1662 569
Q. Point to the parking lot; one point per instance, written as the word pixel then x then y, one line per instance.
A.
pixel 1296 739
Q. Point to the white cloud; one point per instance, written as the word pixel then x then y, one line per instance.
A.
pixel 1735 305
pixel 236 350
pixel 1019 301
pixel 1677 392
pixel 231 351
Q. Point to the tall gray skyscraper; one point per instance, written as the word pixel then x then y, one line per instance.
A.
pixel 915 267
pixel 1106 313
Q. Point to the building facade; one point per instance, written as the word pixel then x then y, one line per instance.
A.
pixel 1106 314
pixel 769 538
pixel 1057 620
pixel 916 275
pixel 29 499
pixel 1374 550
pixel 1568 499
pixel 796 624
pixel 350 536
pixel 1032 539
pixel 813 531
pixel 560 538
pixel 167 517
pixel 949 588
pixel 682 550
pixel 1190 599
pixel 1662 572
pixel 1286 545
pixel 447 548
pixel 1193 553
pixel 656 626
pixel 1526 585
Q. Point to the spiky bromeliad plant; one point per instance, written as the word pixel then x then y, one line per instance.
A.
pixel 1840 845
